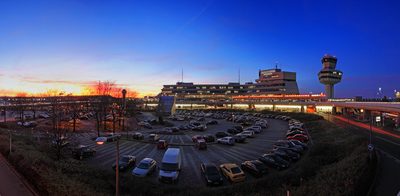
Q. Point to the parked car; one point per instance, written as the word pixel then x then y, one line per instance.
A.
pixel 201 144
pixel 211 174
pixel 233 131
pixel 145 167
pixel 30 124
pixel 256 129
pixel 247 133
pixel 125 162
pixel 289 144
pixel 297 142
pixel 221 134
pixel 197 137
pixel 232 172
pixel 299 137
pixel 83 151
pixel 138 136
pixel 286 154
pixel 209 138
pixel 292 133
pixel 200 128
pixel 162 144
pixel 274 161
pixel 255 167
pixel 212 122
pixel 226 140
pixel 154 137
pixel 239 128
pixel 240 138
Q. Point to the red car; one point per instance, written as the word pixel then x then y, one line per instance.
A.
pixel 162 144
pixel 299 137
pixel 197 137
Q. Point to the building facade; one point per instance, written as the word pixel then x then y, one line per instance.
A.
pixel 271 81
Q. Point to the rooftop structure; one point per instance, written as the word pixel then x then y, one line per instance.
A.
pixel 329 75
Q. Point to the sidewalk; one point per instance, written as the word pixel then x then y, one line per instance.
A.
pixel 11 183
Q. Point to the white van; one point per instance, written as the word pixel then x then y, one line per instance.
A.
pixel 170 166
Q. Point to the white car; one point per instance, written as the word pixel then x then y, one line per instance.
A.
pixel 256 129
pixel 248 133
pixel 226 140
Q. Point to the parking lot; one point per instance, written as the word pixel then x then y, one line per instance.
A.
pixel 191 157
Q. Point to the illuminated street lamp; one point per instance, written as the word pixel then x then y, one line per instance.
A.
pixel 101 141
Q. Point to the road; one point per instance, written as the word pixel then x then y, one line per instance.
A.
pixel 10 182
pixel 192 157
pixel 388 146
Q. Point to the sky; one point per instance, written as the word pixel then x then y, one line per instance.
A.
pixel 142 45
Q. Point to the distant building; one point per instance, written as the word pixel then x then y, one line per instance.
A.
pixel 271 81
pixel 397 95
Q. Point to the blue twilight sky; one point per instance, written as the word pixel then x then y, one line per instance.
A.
pixel 145 44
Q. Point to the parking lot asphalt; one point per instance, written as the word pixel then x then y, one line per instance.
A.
pixel 192 157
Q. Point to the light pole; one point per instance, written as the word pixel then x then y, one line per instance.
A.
pixel 10 142
pixel 101 141
pixel 123 110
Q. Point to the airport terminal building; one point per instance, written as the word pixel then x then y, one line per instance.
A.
pixel 270 81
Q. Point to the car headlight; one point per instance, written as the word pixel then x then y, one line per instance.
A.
pixel 209 181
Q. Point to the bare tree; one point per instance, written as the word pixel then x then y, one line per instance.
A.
pixel 59 130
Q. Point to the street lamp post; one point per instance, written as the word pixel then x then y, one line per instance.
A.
pixel 123 110
pixel 101 141
pixel 10 141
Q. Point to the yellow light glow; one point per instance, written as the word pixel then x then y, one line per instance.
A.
pixel 288 106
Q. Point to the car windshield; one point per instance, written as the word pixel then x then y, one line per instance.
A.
pixel 235 170
pixel 169 166
pixel 124 159
pixel 212 170
pixel 143 166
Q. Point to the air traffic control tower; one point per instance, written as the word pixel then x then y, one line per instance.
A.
pixel 329 75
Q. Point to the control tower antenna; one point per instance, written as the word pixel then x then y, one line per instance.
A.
pixel 182 76
pixel 239 75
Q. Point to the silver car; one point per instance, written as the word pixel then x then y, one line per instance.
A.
pixel 145 167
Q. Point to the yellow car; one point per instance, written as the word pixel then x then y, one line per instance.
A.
pixel 232 172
